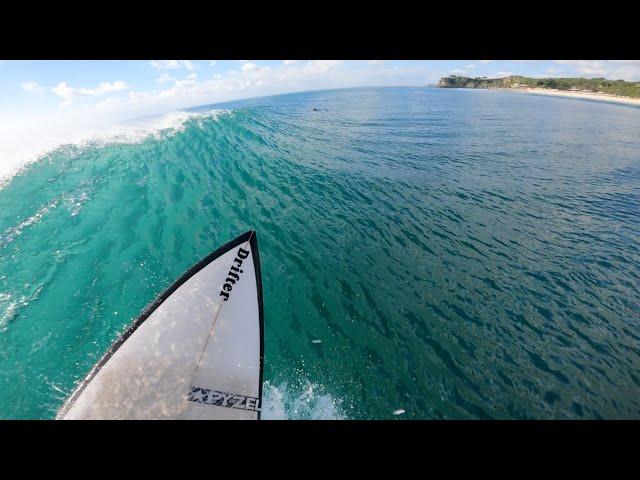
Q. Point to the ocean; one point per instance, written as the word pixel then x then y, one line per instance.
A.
pixel 456 254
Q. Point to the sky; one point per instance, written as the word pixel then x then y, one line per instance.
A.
pixel 44 100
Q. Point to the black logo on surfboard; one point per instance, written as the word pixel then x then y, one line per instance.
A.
pixel 223 399
pixel 234 274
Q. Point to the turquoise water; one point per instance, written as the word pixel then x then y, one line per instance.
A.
pixel 458 254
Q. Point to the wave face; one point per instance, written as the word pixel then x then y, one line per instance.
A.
pixel 452 254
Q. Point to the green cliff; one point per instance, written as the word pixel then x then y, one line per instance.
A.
pixel 599 85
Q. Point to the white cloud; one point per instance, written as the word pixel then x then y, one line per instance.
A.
pixel 212 63
pixel 486 61
pixel 190 80
pixel 321 66
pixel 30 86
pixel 165 64
pixel 188 65
pixel 251 80
pixel 172 64
pixel 374 62
pixel 586 67
pixel 248 67
pixel 504 74
pixel 69 93
pixel 612 69
pixel 464 70
pixel 290 62
pixel 164 78
pixel 234 84
pixel 184 83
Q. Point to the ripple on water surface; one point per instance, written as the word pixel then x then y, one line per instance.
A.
pixel 449 254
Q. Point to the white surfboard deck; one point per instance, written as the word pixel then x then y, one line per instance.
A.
pixel 191 354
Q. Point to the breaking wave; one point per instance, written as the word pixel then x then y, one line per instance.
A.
pixel 17 150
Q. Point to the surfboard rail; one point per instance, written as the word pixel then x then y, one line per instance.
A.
pixel 196 392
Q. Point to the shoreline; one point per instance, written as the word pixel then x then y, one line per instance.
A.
pixel 603 97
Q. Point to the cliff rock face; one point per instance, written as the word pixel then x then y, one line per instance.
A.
pixel 454 81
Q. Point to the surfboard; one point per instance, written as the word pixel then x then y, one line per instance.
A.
pixel 196 352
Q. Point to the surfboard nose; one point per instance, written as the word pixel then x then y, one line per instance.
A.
pixel 193 353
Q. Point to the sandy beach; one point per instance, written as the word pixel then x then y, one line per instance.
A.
pixel 588 95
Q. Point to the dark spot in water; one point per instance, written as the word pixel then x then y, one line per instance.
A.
pixel 551 397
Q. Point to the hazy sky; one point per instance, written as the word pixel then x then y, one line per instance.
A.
pixel 127 88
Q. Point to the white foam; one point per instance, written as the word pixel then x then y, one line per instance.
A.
pixel 303 401
pixel 10 305
pixel 11 233
pixel 22 143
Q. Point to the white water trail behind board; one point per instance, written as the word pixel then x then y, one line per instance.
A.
pixel 301 400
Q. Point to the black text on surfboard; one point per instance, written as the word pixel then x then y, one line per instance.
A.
pixel 234 274
pixel 223 399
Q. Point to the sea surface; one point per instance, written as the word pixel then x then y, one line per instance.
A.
pixel 455 254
